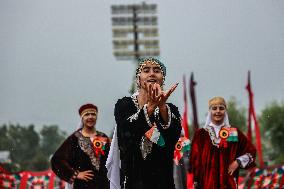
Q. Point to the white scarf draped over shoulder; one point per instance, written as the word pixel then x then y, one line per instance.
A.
pixel 113 163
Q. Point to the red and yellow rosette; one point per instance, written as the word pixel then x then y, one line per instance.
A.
pixel 178 146
pixel 224 134
pixel 178 153
pixel 182 146
pixel 99 145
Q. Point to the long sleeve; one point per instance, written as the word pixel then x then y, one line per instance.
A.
pixel 246 152
pixel 131 124
pixel 172 133
pixel 61 161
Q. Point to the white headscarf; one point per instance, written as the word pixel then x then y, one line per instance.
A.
pixel 80 124
pixel 209 120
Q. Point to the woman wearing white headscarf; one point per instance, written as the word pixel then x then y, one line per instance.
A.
pixel 219 150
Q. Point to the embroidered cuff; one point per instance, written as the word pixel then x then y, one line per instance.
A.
pixel 169 117
pixel 245 160
pixel 74 176
pixel 146 115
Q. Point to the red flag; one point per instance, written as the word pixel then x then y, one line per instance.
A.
pixel 184 117
pixel 248 87
pixel 256 125
pixel 192 84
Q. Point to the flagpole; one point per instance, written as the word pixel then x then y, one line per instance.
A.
pixel 248 87
pixel 256 125
pixel 184 119
pixel 192 84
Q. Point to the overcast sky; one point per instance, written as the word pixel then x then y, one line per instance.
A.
pixel 56 55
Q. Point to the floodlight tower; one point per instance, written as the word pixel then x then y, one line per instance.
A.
pixel 135 32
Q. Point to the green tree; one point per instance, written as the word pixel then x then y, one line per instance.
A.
pixel 24 145
pixel 237 114
pixel 51 138
pixel 40 162
pixel 5 142
pixel 272 123
pixel 30 150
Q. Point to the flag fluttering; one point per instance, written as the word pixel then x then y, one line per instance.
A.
pixel 185 112
pixel 252 115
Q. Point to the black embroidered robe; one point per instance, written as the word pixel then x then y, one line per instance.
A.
pixel 156 171
pixel 77 154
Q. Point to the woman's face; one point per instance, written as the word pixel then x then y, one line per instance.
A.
pixel 89 119
pixel 217 113
pixel 150 73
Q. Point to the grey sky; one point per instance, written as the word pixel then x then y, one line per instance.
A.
pixel 56 55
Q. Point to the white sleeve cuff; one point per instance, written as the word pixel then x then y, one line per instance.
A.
pixel 245 160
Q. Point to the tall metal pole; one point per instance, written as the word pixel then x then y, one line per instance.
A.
pixel 135 33
pixel 128 19
pixel 136 48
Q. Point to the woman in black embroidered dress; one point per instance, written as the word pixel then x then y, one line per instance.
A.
pixel 80 160
pixel 147 130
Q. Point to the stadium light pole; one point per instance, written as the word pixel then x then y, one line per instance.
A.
pixel 135 32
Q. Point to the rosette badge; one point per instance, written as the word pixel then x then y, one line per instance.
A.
pixel 99 144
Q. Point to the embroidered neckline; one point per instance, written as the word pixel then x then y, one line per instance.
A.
pixel 86 146
pixel 214 139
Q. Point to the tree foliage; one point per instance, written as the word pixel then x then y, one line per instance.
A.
pixel 51 138
pixel 29 149
pixel 237 114
pixel 25 143
pixel 272 123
